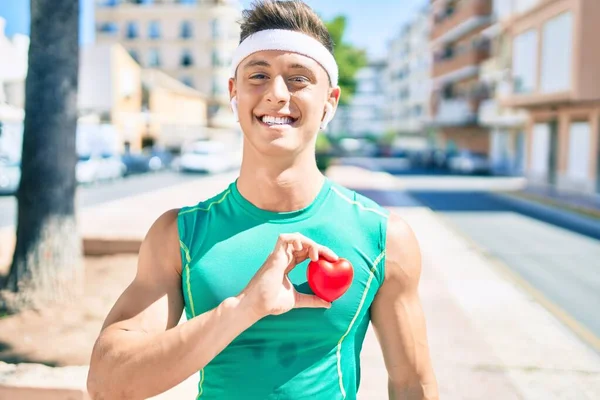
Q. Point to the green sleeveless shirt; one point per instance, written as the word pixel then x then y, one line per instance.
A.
pixel 305 353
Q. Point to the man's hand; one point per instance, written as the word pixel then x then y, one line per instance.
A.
pixel 270 291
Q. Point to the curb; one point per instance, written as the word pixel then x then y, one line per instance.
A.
pixel 91 246
pixel 110 246
pixel 553 215
pixel 41 393
pixel 40 382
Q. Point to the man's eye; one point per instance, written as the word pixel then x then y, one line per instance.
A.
pixel 258 76
pixel 301 79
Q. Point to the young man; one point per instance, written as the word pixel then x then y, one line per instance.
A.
pixel 237 262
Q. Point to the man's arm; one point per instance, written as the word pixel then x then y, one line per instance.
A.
pixel 141 351
pixel 398 319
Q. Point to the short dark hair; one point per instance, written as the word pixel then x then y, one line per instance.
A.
pixel 293 15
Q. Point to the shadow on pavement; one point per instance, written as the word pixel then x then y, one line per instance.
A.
pixel 8 355
pixel 475 201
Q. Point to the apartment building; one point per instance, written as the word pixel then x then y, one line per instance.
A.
pixel 459 48
pixel 506 125
pixel 555 63
pixel 12 91
pixel 408 90
pixel 365 113
pixel 190 40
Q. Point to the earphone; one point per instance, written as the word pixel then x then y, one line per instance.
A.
pixel 234 108
pixel 328 116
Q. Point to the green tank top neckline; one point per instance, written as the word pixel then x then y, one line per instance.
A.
pixel 281 217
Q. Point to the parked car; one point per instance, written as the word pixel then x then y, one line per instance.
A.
pixel 469 162
pixel 10 176
pixel 94 168
pixel 208 156
pixel 149 160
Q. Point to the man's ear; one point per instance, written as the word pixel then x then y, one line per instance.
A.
pixel 330 107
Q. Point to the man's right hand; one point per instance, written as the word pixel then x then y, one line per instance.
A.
pixel 270 291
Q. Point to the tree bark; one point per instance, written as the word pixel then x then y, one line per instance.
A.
pixel 47 264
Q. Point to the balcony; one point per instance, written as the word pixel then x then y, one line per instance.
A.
pixel 455 112
pixel 452 17
pixel 491 113
pixel 471 56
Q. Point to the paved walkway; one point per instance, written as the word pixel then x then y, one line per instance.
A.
pixel 489 339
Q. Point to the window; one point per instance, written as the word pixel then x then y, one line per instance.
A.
pixel 557 48
pixel 187 1
pixel 154 58
pixel 154 30
pixel 111 3
pixel 110 28
pixel 216 58
pixel 579 153
pixel 215 29
pixel 218 88
pixel 187 80
pixel 522 6
pixel 525 62
pixel 132 30
pixel 134 54
pixel 186 59
pixel 540 149
pixel 186 30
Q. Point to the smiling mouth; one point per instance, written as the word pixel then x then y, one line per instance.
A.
pixel 277 121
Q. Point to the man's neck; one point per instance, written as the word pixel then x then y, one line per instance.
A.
pixel 280 186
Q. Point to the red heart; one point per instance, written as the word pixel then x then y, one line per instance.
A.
pixel 330 280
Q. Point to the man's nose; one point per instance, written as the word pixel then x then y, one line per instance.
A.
pixel 278 91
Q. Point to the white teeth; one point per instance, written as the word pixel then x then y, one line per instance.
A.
pixel 267 119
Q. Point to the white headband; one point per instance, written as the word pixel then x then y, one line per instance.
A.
pixel 286 40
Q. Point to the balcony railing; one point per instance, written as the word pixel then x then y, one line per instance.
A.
pixel 453 15
pixel 466 57
pixel 455 112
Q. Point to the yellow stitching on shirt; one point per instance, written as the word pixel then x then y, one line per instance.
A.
pixel 360 306
pixel 208 207
pixel 187 269
pixel 188 259
pixel 360 205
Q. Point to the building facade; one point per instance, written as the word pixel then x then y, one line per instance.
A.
pixel 190 40
pixel 459 49
pixel 408 90
pixel 555 63
pixel 506 125
pixel 12 91
pixel 366 112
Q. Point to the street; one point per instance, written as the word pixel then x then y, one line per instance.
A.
pixel 106 191
pixel 555 261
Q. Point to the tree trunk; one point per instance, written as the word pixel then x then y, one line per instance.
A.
pixel 47 263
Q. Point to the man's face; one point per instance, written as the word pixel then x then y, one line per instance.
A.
pixel 281 100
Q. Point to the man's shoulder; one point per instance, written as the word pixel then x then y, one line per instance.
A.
pixel 206 204
pixel 359 200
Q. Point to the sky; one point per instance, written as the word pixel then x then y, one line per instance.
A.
pixel 371 23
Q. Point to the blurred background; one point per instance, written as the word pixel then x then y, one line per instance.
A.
pixel 477 120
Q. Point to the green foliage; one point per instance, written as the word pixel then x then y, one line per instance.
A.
pixel 323 144
pixel 349 58
pixel 388 138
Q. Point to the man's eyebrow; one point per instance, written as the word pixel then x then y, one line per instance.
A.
pixel 257 63
pixel 300 66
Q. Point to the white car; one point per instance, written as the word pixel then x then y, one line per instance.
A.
pixel 208 156
pixel 468 162
pixel 10 176
pixel 96 168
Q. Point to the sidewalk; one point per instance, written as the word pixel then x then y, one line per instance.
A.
pixel 489 339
